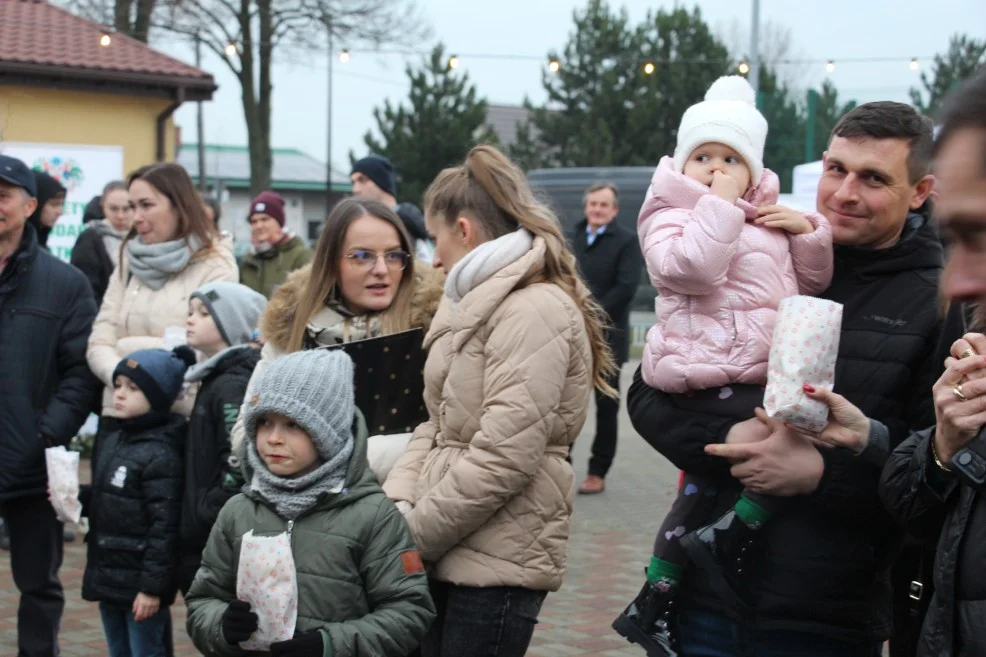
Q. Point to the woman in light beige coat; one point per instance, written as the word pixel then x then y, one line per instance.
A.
pixel 515 350
pixel 171 251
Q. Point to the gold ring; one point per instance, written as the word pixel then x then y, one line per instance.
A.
pixel 957 391
pixel 968 353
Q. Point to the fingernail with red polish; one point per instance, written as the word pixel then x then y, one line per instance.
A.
pixel 809 388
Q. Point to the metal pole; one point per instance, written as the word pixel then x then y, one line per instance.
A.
pixel 328 126
pixel 811 121
pixel 200 120
pixel 754 76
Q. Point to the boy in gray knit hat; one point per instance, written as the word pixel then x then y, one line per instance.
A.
pixel 306 442
pixel 221 319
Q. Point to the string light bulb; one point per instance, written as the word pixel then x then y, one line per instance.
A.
pixel 649 68
pixel 914 64
pixel 231 50
pixel 830 66
pixel 344 56
pixel 554 65
pixel 453 62
pixel 744 68
pixel 105 39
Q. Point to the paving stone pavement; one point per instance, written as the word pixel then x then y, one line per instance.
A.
pixel 609 547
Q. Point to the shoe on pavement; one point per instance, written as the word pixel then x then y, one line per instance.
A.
pixel 593 485
pixel 648 621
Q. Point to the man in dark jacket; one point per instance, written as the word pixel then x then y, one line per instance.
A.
pixel 819 574
pixel 609 260
pixel 935 482
pixel 46 314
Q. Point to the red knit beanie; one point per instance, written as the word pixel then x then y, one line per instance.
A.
pixel 269 203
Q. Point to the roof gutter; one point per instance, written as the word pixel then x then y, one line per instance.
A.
pixel 162 123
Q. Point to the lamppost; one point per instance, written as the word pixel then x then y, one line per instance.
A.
pixel 328 123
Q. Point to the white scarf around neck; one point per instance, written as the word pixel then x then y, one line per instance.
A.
pixel 488 258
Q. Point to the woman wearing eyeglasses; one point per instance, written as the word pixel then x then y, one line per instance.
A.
pixel 362 283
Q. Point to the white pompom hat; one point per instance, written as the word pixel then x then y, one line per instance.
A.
pixel 729 116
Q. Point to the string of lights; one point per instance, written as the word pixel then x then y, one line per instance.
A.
pixel 555 64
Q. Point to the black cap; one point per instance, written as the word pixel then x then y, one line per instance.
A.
pixel 15 172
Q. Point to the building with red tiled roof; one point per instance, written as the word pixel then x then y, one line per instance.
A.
pixel 66 80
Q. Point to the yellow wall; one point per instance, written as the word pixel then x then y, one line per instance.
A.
pixel 39 115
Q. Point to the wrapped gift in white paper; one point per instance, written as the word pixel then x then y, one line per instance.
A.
pixel 266 579
pixel 804 351
pixel 63 483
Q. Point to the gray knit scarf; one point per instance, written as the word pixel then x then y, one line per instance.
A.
pixel 292 497
pixel 154 264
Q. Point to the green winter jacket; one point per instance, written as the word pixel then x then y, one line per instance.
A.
pixel 360 580
pixel 264 272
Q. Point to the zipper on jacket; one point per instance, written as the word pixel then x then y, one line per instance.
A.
pixel 290 528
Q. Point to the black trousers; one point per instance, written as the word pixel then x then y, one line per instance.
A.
pixel 36 550
pixel 607 426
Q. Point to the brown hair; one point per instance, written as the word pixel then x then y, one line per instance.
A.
pixel 491 190
pixel 114 186
pixel 172 182
pixel 889 120
pixel 322 285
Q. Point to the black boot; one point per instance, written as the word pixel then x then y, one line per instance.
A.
pixel 648 621
pixel 723 550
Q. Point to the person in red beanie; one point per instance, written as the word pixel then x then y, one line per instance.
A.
pixel 276 251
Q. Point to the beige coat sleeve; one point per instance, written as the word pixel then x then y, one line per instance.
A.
pixel 403 478
pixel 527 356
pixel 101 352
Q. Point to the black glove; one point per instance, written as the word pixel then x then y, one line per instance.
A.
pixel 238 622
pixel 306 645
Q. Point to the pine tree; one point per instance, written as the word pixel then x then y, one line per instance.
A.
pixel 605 107
pixel 444 119
pixel 963 58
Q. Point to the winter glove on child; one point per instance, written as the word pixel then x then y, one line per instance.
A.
pixel 238 622
pixel 306 645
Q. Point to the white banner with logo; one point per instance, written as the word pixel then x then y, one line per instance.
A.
pixel 83 170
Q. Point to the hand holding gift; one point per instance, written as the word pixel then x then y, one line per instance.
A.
pixel 803 352
pixel 267 581
pixel 63 483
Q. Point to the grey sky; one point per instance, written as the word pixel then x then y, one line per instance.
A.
pixel 821 30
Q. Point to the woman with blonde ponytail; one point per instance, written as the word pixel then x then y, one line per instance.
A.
pixel 515 349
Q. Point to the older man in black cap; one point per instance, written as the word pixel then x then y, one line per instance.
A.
pixel 373 177
pixel 46 390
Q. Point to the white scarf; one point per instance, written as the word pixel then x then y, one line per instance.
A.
pixel 488 258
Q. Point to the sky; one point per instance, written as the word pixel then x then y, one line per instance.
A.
pixel 819 30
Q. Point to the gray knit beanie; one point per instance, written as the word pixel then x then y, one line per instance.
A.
pixel 235 308
pixel 315 389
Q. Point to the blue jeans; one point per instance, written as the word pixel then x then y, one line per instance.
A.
pixel 703 634
pixel 482 622
pixel 127 638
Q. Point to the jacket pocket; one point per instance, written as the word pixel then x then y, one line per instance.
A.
pixel 125 543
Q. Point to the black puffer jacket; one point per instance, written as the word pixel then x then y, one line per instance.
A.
pixel 133 506
pixel 217 406
pixel 825 559
pixel 937 505
pixel 46 388
pixel 90 256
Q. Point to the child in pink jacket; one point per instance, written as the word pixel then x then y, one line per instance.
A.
pixel 721 254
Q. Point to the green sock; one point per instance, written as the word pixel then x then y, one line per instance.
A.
pixel 664 572
pixel 752 514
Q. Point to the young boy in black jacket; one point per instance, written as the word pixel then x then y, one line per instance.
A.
pixel 221 320
pixel 133 504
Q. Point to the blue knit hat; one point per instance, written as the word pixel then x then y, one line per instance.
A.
pixel 158 373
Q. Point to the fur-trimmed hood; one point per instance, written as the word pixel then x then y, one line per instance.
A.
pixel 275 326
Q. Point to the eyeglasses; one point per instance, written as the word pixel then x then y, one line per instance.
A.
pixel 395 260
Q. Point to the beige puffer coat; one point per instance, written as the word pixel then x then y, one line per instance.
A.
pixel 507 385
pixel 133 316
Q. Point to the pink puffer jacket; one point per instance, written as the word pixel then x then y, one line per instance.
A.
pixel 720 279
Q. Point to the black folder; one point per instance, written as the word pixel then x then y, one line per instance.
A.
pixel 389 380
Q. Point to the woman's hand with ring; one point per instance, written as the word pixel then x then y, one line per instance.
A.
pixel 960 404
